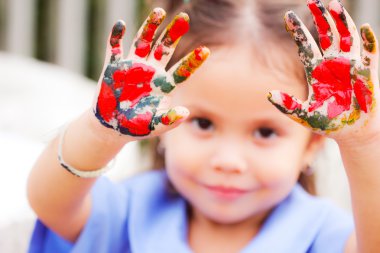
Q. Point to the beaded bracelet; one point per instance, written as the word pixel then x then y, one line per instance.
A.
pixel 72 170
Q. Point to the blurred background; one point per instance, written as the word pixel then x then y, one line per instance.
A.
pixel 51 55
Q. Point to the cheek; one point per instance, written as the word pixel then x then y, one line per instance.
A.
pixel 282 168
pixel 180 151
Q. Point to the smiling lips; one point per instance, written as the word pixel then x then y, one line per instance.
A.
pixel 227 193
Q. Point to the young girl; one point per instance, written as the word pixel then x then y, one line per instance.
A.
pixel 232 165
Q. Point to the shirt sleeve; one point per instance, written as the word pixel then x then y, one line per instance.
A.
pixel 105 231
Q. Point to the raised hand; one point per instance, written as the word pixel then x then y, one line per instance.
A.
pixel 134 92
pixel 343 83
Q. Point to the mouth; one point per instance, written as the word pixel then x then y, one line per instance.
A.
pixel 226 192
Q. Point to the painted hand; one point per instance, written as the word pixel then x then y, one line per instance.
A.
pixel 343 84
pixel 134 92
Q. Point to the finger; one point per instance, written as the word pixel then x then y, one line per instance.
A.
pixel 363 94
pixel 307 47
pixel 188 64
pixel 370 55
pixel 165 45
pixel 169 119
pixel 328 35
pixel 294 109
pixel 115 41
pixel 142 43
pixel 349 37
pixel 284 102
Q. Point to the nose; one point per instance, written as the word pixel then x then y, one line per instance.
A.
pixel 229 158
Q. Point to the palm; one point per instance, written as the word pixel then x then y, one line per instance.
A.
pixel 127 100
pixel 341 82
pixel 134 92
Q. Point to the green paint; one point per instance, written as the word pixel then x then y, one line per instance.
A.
pixel 369 39
pixel 365 73
pixel 308 71
pixel 356 104
pixel 317 120
pixel 299 36
pixel 178 78
pixel 164 85
pixel 356 107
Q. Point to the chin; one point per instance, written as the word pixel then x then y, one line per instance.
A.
pixel 228 217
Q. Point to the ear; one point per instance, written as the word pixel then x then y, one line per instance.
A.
pixel 315 144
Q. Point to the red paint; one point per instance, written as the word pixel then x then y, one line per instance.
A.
pixel 159 52
pixel 134 81
pixel 345 35
pixel 144 42
pixel 142 48
pixel 323 26
pixel 179 28
pixel 363 95
pixel 183 71
pixel 139 125
pixel 149 31
pixel 289 102
pixel 333 79
pixel 165 120
pixel 334 109
pixel 115 42
pixel 106 103
pixel 197 53
pixel 116 50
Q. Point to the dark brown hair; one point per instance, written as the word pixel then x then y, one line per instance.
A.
pixel 219 23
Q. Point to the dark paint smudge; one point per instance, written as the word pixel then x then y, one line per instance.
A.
pixel 300 38
pixel 132 86
pixel 369 40
pixel 118 31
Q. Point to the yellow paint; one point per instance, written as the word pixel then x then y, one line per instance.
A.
pixel 191 62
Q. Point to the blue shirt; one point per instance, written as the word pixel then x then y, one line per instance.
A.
pixel 141 215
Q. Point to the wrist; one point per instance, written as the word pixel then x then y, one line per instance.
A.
pixel 360 156
pixel 87 145
pixel 359 142
pixel 103 134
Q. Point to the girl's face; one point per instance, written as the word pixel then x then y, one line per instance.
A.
pixel 236 156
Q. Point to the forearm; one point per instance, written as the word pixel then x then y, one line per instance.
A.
pixel 361 161
pixel 60 199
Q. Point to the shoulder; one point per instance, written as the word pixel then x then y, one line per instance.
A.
pixel 334 225
pixel 304 223
pixel 329 215
pixel 330 226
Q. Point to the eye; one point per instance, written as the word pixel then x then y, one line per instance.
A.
pixel 202 123
pixel 265 133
